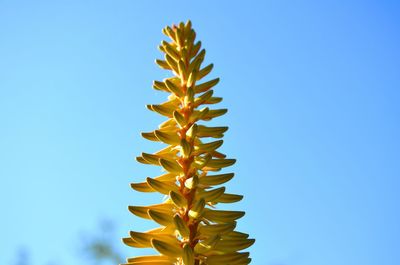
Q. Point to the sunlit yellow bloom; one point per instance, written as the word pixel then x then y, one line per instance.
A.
pixel 191 230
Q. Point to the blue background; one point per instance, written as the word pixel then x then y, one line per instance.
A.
pixel 312 89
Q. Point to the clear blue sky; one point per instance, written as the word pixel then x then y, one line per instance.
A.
pixel 313 89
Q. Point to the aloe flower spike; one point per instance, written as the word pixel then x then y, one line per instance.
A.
pixel 191 230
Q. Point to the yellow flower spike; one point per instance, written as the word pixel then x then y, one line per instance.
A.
pixel 191 230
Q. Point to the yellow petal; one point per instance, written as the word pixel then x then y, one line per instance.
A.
pixel 171 51
pixel 220 163
pixel 177 199
pixel 203 98
pixel 228 198
pixel 171 166
pixel 216 132
pixel 182 69
pixel 206 86
pixel 163 64
pixel 221 229
pixel 144 186
pixel 213 100
pixel 219 216
pixel 179 119
pixel 170 250
pixel 233 245
pixel 192 132
pixel 186 148
pixel 174 88
pixel 211 180
pixel 160 86
pixel 196 49
pixel 192 79
pixel 149 259
pixel 171 63
pixel 142 211
pixel 214 113
pixel 160 217
pixel 181 227
pixel 188 255
pixel 167 137
pixel 197 209
pixel 191 183
pixel 151 159
pixel 208 147
pixel 205 71
pixel 150 136
pixel 145 238
pixel 160 186
pixel 212 195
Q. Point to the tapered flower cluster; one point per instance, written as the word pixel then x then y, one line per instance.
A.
pixel 192 231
